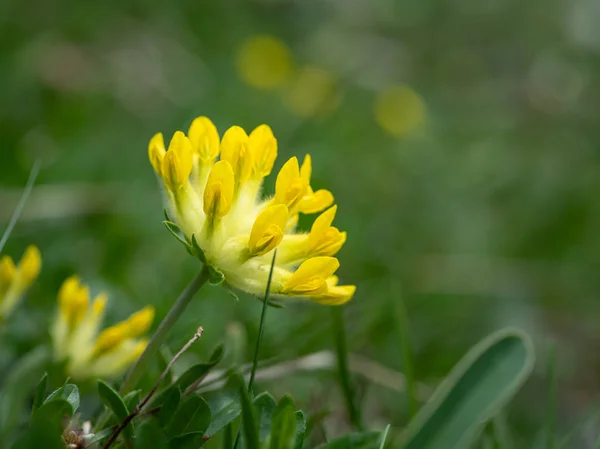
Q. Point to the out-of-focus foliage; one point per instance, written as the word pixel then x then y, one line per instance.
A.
pixel 460 139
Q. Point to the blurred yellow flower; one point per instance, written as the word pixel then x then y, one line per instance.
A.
pixel 15 280
pixel 399 110
pixel 218 205
pixel 77 340
pixel 312 92
pixel 264 62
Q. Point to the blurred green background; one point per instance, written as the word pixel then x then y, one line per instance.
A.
pixel 460 139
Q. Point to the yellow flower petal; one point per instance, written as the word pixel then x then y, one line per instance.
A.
pixel 156 152
pixel 30 264
pixel 263 147
pixel 205 139
pixel 73 300
pixel 290 186
pixel 336 296
pixel 218 194
pixel 315 202
pixel 324 239
pixel 235 149
pixel 110 338
pixel 7 272
pixel 177 163
pixel 311 277
pixel 268 229
pixel 306 169
pixel 139 322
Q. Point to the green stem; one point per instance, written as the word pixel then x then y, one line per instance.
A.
pixel 261 330
pixel 341 348
pixel 134 374
pixel 19 209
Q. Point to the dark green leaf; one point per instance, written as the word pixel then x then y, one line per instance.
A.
pixel 115 403
pixel 283 430
pixel 225 408
pixel 149 434
pixel 216 277
pixel 264 405
pixel 40 393
pixel 200 370
pixel 132 399
pixel 68 392
pixel 484 380
pixel 47 425
pixel 171 397
pixel 249 424
pixel 363 440
pixel 300 429
pixel 192 440
pixel 192 415
pixel 17 386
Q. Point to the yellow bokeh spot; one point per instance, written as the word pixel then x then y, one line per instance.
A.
pixel 264 62
pixel 313 92
pixel 399 110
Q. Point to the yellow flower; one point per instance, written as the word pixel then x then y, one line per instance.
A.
pixel 15 280
pixel 264 62
pixel 78 341
pixel 218 210
pixel 399 110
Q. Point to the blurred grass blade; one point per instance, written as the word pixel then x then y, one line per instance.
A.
pixel 402 324
pixel 501 432
pixel 486 378
pixel 19 209
pixel 384 435
pixel 551 400
pixel 341 349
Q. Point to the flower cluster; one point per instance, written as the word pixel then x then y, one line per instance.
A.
pixel 79 343
pixel 15 280
pixel 218 204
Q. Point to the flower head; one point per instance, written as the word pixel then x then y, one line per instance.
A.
pixel 78 341
pixel 15 280
pixel 220 214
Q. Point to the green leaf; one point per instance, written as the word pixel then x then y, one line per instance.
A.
pixel 17 386
pixel 68 392
pixel 40 393
pixel 249 424
pixel 283 430
pixel 216 277
pixel 176 232
pixel 192 415
pixel 200 370
pixel 149 434
pixel 171 396
pixel 132 399
pixel 300 429
pixel 192 440
pixel 46 427
pixel 115 403
pixel 485 379
pixel 225 408
pixel 363 440
pixel 264 405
